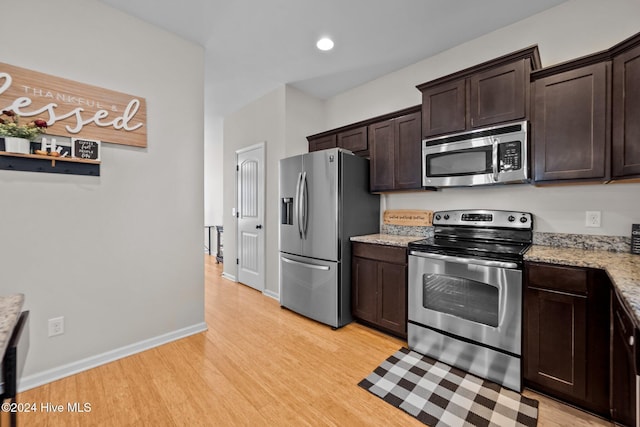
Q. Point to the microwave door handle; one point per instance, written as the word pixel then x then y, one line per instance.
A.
pixel 495 159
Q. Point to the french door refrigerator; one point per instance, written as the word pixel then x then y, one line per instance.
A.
pixel 324 201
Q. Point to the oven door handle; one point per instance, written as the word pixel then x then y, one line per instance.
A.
pixel 460 260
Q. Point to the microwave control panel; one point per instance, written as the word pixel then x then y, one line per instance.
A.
pixel 510 156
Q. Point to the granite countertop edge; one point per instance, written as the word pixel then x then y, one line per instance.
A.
pixel 10 308
pixel 386 239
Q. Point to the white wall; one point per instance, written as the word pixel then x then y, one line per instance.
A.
pixel 259 121
pixel 304 116
pixel 213 179
pixel 120 255
pixel 213 156
pixel 282 118
pixel 571 30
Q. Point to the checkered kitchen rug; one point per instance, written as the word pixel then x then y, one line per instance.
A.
pixel 439 395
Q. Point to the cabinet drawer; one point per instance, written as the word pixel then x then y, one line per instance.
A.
pixel 559 278
pixel 392 254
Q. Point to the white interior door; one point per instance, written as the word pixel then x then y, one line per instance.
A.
pixel 250 185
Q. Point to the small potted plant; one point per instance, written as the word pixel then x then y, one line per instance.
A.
pixel 17 137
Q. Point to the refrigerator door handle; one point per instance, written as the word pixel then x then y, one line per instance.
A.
pixel 298 204
pixel 304 264
pixel 305 208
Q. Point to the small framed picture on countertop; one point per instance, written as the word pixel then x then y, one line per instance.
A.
pixel 85 148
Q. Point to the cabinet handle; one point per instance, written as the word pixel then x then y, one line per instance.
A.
pixel 631 340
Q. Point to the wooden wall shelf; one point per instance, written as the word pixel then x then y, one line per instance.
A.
pixel 39 163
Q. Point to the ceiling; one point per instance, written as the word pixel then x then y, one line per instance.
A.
pixel 254 46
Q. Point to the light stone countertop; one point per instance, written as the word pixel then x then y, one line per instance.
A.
pixel 622 268
pixel 387 239
pixel 10 307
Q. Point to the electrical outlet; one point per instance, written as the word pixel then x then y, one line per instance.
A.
pixel 593 218
pixel 56 326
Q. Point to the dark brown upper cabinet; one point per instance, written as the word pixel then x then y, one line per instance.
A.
pixel 626 110
pixel 584 117
pixel 493 92
pixel 444 108
pixel 392 143
pixel 322 142
pixel 354 140
pixel 353 137
pixel 571 135
pixel 499 94
pixel 396 161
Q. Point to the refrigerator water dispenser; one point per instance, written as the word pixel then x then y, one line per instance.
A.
pixel 286 210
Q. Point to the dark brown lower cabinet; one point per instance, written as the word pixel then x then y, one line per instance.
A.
pixel 623 371
pixel 379 287
pixel 566 334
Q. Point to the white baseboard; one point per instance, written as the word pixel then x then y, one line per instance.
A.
pixel 229 277
pixel 72 368
pixel 271 294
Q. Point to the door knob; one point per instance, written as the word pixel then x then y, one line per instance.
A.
pixel 258 227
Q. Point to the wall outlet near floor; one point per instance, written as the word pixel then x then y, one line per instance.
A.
pixel 593 218
pixel 56 326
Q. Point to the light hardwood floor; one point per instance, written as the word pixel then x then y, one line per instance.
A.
pixel 257 365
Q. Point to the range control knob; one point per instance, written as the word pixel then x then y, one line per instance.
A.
pixel 438 217
pixel 511 218
pixel 523 219
pixel 446 216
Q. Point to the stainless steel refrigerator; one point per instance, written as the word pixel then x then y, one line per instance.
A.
pixel 324 201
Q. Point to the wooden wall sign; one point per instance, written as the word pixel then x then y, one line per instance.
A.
pixel 412 217
pixel 74 109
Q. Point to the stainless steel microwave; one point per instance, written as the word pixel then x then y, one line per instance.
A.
pixel 493 155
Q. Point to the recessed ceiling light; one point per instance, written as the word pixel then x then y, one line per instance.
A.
pixel 325 43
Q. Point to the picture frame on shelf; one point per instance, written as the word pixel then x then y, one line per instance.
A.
pixel 85 148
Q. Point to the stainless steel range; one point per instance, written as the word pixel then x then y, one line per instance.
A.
pixel 465 292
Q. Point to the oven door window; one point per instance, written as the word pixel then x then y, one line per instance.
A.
pixel 471 161
pixel 464 298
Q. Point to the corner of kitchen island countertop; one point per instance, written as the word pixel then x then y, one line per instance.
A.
pixel 10 307
pixel 386 239
pixel 623 268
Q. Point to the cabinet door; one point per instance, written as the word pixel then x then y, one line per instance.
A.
pixel 322 143
pixel 555 341
pixel 381 162
pixel 498 95
pixel 626 111
pixel 392 297
pixel 444 108
pixel 570 134
pixel 354 140
pixel 407 153
pixel 364 285
pixel 623 391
